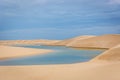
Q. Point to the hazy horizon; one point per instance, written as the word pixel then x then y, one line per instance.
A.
pixel 58 19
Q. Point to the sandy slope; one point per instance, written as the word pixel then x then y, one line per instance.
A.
pixel 82 71
pixel 112 55
pixel 10 52
pixel 68 41
pixel 104 41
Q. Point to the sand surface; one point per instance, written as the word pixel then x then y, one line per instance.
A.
pixel 82 71
pixel 104 41
pixel 70 41
pixel 88 41
pixel 111 55
pixel 11 52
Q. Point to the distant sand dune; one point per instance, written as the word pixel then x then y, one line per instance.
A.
pixel 26 42
pixel 104 41
pixel 70 41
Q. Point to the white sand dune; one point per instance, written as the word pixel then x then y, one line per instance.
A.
pixel 104 41
pixel 70 41
pixel 106 66
pixel 11 52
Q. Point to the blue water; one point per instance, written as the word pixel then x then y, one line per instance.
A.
pixel 62 55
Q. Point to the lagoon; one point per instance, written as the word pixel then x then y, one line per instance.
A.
pixel 61 55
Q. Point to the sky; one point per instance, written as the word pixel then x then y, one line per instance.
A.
pixel 58 19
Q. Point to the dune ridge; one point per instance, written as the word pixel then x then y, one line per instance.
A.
pixel 70 41
pixel 27 42
pixel 104 41
pixel 89 41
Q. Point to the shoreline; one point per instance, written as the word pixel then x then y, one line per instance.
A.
pixel 20 52
pixel 80 48
pixel 89 48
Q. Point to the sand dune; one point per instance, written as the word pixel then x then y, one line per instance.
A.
pixel 104 41
pixel 26 42
pixel 70 41
pixel 104 67
pixel 112 55
pixel 82 71
pixel 11 52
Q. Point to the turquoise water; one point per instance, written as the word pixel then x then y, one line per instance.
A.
pixel 62 55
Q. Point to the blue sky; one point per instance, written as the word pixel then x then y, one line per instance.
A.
pixel 58 19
